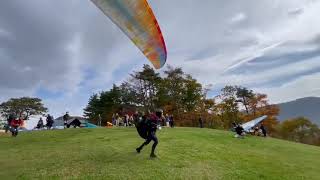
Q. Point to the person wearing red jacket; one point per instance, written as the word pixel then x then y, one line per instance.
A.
pixel 152 125
pixel 15 124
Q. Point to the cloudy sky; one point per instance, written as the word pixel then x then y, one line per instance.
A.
pixel 63 51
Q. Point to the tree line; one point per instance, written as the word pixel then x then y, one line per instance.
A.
pixel 182 96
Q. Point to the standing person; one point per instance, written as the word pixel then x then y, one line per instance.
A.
pixel 171 121
pixel 15 124
pixel 167 120
pixel 120 121
pixel 113 119
pixel 50 121
pixel 66 117
pixel 99 120
pixel 126 120
pixel 264 131
pixel 200 122
pixel 9 120
pixel 136 117
pixel 117 119
pixel 151 122
pixel 131 120
pixel 163 119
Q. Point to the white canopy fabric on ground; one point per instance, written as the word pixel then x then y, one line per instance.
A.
pixel 248 125
pixel 32 122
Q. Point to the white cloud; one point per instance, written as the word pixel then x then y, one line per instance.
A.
pixel 207 39
pixel 238 18
pixel 257 53
pixel 4 33
pixel 303 86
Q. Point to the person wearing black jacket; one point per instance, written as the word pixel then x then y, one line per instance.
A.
pixel 152 122
pixel 264 131
pixel 66 117
pixel 49 121
pixel 238 129
pixel 200 122
pixel 40 124
pixel 171 121
pixel 9 120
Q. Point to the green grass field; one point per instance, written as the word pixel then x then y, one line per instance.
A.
pixel 184 153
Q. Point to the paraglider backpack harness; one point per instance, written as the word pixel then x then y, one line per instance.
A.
pixel 145 126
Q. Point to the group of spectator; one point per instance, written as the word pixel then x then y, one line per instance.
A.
pixel 125 120
pixel 48 125
pixel 128 120
pixel 258 130
pixel 168 121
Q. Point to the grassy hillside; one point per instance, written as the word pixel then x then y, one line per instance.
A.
pixel 184 153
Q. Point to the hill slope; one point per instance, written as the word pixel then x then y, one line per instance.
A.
pixel 184 153
pixel 307 107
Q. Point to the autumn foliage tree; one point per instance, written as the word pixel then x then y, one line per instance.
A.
pixel 176 92
pixel 258 106
pixel 181 95
pixel 299 130
pixel 227 108
pixel 240 104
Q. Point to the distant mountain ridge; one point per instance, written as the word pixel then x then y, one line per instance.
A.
pixel 308 107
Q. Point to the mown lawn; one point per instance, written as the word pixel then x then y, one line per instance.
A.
pixel 184 153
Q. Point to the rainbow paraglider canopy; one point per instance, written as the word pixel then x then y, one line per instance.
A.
pixel 136 19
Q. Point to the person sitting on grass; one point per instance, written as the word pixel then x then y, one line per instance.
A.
pixel 75 123
pixel 40 124
pixel 239 130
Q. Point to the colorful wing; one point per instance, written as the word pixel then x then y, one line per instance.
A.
pixel 136 19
